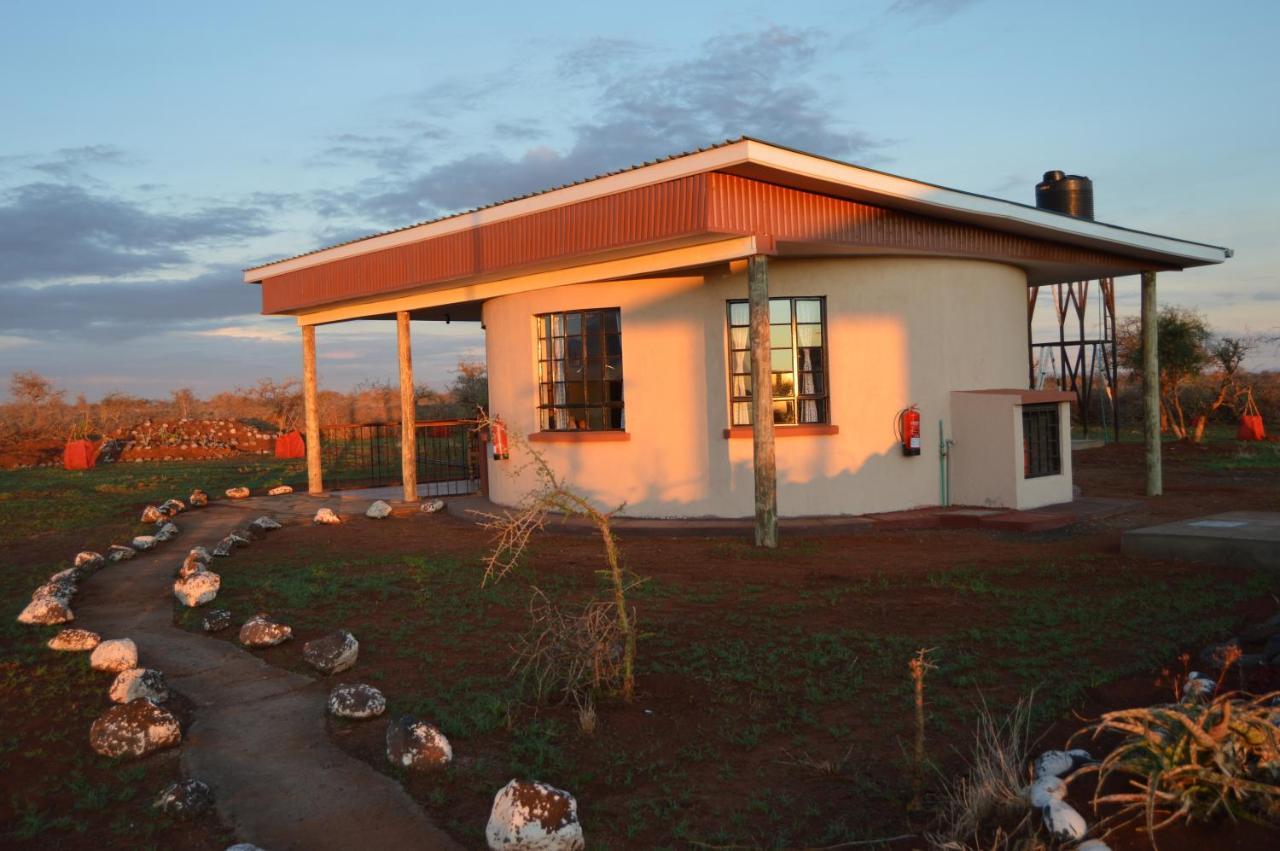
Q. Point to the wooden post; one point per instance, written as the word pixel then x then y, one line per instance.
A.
pixel 315 483
pixel 1151 384
pixel 408 411
pixel 764 462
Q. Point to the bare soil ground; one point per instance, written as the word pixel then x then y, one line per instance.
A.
pixel 773 705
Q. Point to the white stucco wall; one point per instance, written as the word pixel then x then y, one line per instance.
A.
pixel 899 331
pixel 987 463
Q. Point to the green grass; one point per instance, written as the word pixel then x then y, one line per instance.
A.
pixel 1249 456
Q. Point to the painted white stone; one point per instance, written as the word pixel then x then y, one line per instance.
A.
pixel 326 517
pixel 1093 845
pixel 119 552
pixel 185 799
pixel 356 700
pixel 197 588
pixel 198 498
pixel 142 543
pixel 378 510
pixel 167 532
pixel 1062 820
pixel 134 729
pixel 89 560
pixel 530 816
pixel 332 654
pixel 139 682
pixel 1046 789
pixel 266 524
pixel 433 506
pixel 74 640
pixel 261 631
pixel 115 655
pixel 151 514
pixel 280 490
pixel 237 493
pixel 416 744
pixel 47 611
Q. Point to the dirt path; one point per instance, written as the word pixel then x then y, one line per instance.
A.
pixel 258 737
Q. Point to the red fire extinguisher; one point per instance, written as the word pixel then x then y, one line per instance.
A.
pixel 908 428
pixel 498 437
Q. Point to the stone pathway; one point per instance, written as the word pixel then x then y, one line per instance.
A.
pixel 258 737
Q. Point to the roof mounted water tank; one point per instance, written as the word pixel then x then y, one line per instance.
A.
pixel 1066 193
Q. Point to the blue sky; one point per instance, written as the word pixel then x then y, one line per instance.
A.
pixel 152 150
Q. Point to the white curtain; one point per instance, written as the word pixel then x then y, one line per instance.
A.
pixel 808 407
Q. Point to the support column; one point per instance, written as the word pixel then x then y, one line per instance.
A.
pixel 764 462
pixel 408 411
pixel 315 484
pixel 1151 384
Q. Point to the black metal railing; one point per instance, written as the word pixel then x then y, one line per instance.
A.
pixel 368 455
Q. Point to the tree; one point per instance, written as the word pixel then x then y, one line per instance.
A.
pixel 470 388
pixel 281 399
pixel 35 398
pixel 1184 350
pixel 184 400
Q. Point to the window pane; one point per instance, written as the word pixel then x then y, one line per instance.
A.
pixel 615 418
pixel 779 311
pixel 592 322
pixel 613 345
pixel 614 389
pixel 740 361
pixel 779 335
pixel 595 345
pixel 809 335
pixel 611 320
pixel 573 370
pixel 613 367
pixel 811 383
pixel 780 360
pixel 784 384
pixel 595 418
pixel 595 369
pixel 560 393
pixel 742 413
pixel 808 310
pixel 741 386
pixel 810 358
pixel 738 338
pixel 813 410
pixel 595 392
pixel 557 324
pixel 784 412
pixel 576 394
pixel 572 323
pixel 739 313
pixel 557 349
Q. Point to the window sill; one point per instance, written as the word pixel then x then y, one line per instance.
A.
pixel 579 436
pixel 785 431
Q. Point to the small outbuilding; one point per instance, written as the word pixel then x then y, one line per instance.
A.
pixel 745 329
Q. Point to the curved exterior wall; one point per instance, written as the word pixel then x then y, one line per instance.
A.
pixel 900 330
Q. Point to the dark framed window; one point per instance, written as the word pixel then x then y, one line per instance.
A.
pixel 580 371
pixel 798 363
pixel 1041 448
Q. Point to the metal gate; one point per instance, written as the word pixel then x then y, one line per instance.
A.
pixel 368 455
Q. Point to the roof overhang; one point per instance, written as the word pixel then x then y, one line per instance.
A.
pixel 785 167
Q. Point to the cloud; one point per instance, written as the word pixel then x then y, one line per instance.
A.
pixel 76 163
pixel 739 84
pixel 127 309
pixel 52 231
pixel 929 11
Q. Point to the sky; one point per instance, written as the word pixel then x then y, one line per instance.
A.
pixel 151 151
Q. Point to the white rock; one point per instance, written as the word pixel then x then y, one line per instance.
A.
pixel 333 653
pixel 71 575
pixel 280 490
pixel 238 539
pixel 224 547
pixel 265 524
pixel 243 846
pixel 47 611
pixel 1093 845
pixel 1062 820
pixel 378 510
pixel 74 640
pixel 151 514
pixel 197 588
pixel 261 631
pixel 139 682
pixel 143 543
pixel 200 553
pixel 529 816
pixel 198 498
pixel 1046 789
pixel 433 506
pixel 326 517
pixel 167 532
pixel 416 744
pixel 174 506
pixel 1058 763
pixel 119 552
pixel 1198 685
pixel 134 729
pixel 358 701
pixel 116 655
pixel 89 560
pixel 237 493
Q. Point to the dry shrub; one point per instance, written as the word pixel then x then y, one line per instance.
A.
pixel 1192 760
pixel 983 809
pixel 571 655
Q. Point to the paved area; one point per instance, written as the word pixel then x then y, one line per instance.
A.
pixel 1236 538
pixel 999 519
pixel 258 737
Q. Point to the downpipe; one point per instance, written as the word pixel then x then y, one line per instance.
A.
pixel 944 467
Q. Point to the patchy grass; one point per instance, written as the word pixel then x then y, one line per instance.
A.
pixel 1248 456
pixel 50 500
pixel 771 708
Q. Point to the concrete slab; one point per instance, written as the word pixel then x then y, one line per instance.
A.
pixel 967 518
pixel 1233 539
pixel 1028 521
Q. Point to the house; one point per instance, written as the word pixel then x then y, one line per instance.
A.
pixel 623 315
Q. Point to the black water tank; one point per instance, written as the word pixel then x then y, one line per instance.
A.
pixel 1066 193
